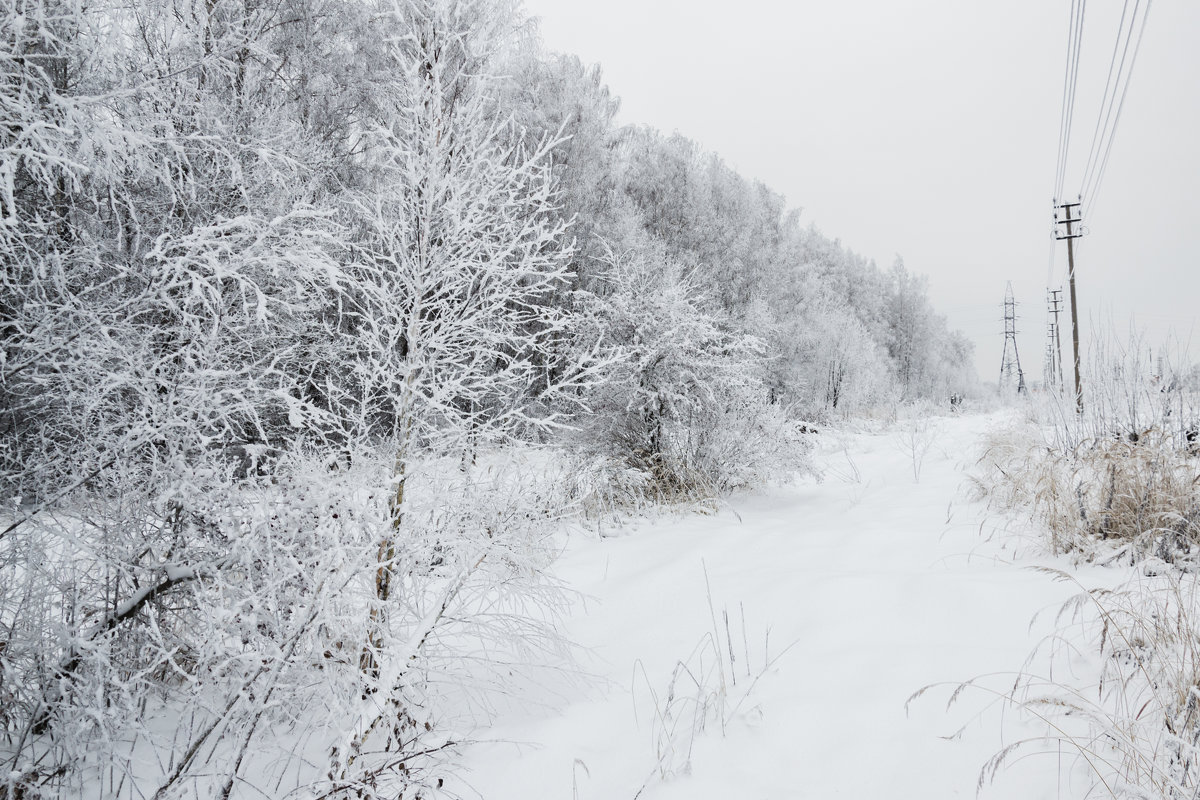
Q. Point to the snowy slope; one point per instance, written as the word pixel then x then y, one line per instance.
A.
pixel 883 583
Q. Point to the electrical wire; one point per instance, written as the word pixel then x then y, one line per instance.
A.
pixel 1062 114
pixel 1093 190
pixel 1102 117
pixel 1066 117
pixel 1070 82
pixel 1050 264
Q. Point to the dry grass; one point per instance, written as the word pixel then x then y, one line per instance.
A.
pixel 1118 483
pixel 1142 715
pixel 1103 498
pixel 711 688
pixel 1130 714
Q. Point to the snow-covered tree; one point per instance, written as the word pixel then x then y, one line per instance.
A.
pixel 558 96
pixel 456 249
pixel 684 403
pixel 270 275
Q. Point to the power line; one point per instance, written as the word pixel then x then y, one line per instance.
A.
pixel 1070 81
pixel 1068 100
pixel 1094 189
pixel 1062 114
pixel 1105 102
pixel 1050 260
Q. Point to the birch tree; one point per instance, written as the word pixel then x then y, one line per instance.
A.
pixel 456 248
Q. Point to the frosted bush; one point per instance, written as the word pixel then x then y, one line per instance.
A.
pixel 682 412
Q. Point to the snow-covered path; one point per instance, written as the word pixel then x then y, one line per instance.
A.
pixel 883 583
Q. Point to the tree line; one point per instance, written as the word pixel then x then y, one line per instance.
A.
pixel 279 276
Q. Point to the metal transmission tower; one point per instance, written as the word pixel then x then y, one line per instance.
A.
pixel 1053 369
pixel 1010 364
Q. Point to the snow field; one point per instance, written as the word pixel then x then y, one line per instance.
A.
pixel 880 585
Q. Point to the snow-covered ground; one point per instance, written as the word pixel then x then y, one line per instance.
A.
pixel 880 583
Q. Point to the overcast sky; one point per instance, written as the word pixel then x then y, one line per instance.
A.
pixel 929 129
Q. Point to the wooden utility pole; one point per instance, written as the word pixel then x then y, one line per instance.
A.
pixel 1054 340
pixel 1070 236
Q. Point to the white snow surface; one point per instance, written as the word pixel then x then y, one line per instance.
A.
pixel 883 583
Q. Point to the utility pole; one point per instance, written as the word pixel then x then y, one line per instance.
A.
pixel 1053 340
pixel 1049 378
pixel 1010 364
pixel 1071 236
pixel 1049 374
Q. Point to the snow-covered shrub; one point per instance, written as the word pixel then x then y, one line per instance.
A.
pixel 751 443
pixel 1117 479
pixel 167 629
pixel 683 403
pixel 604 487
pixel 238 653
pixel 1115 482
pixel 1105 498
pixel 471 620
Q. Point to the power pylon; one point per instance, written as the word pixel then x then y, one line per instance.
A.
pixel 1010 364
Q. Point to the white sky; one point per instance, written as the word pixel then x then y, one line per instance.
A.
pixel 929 128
